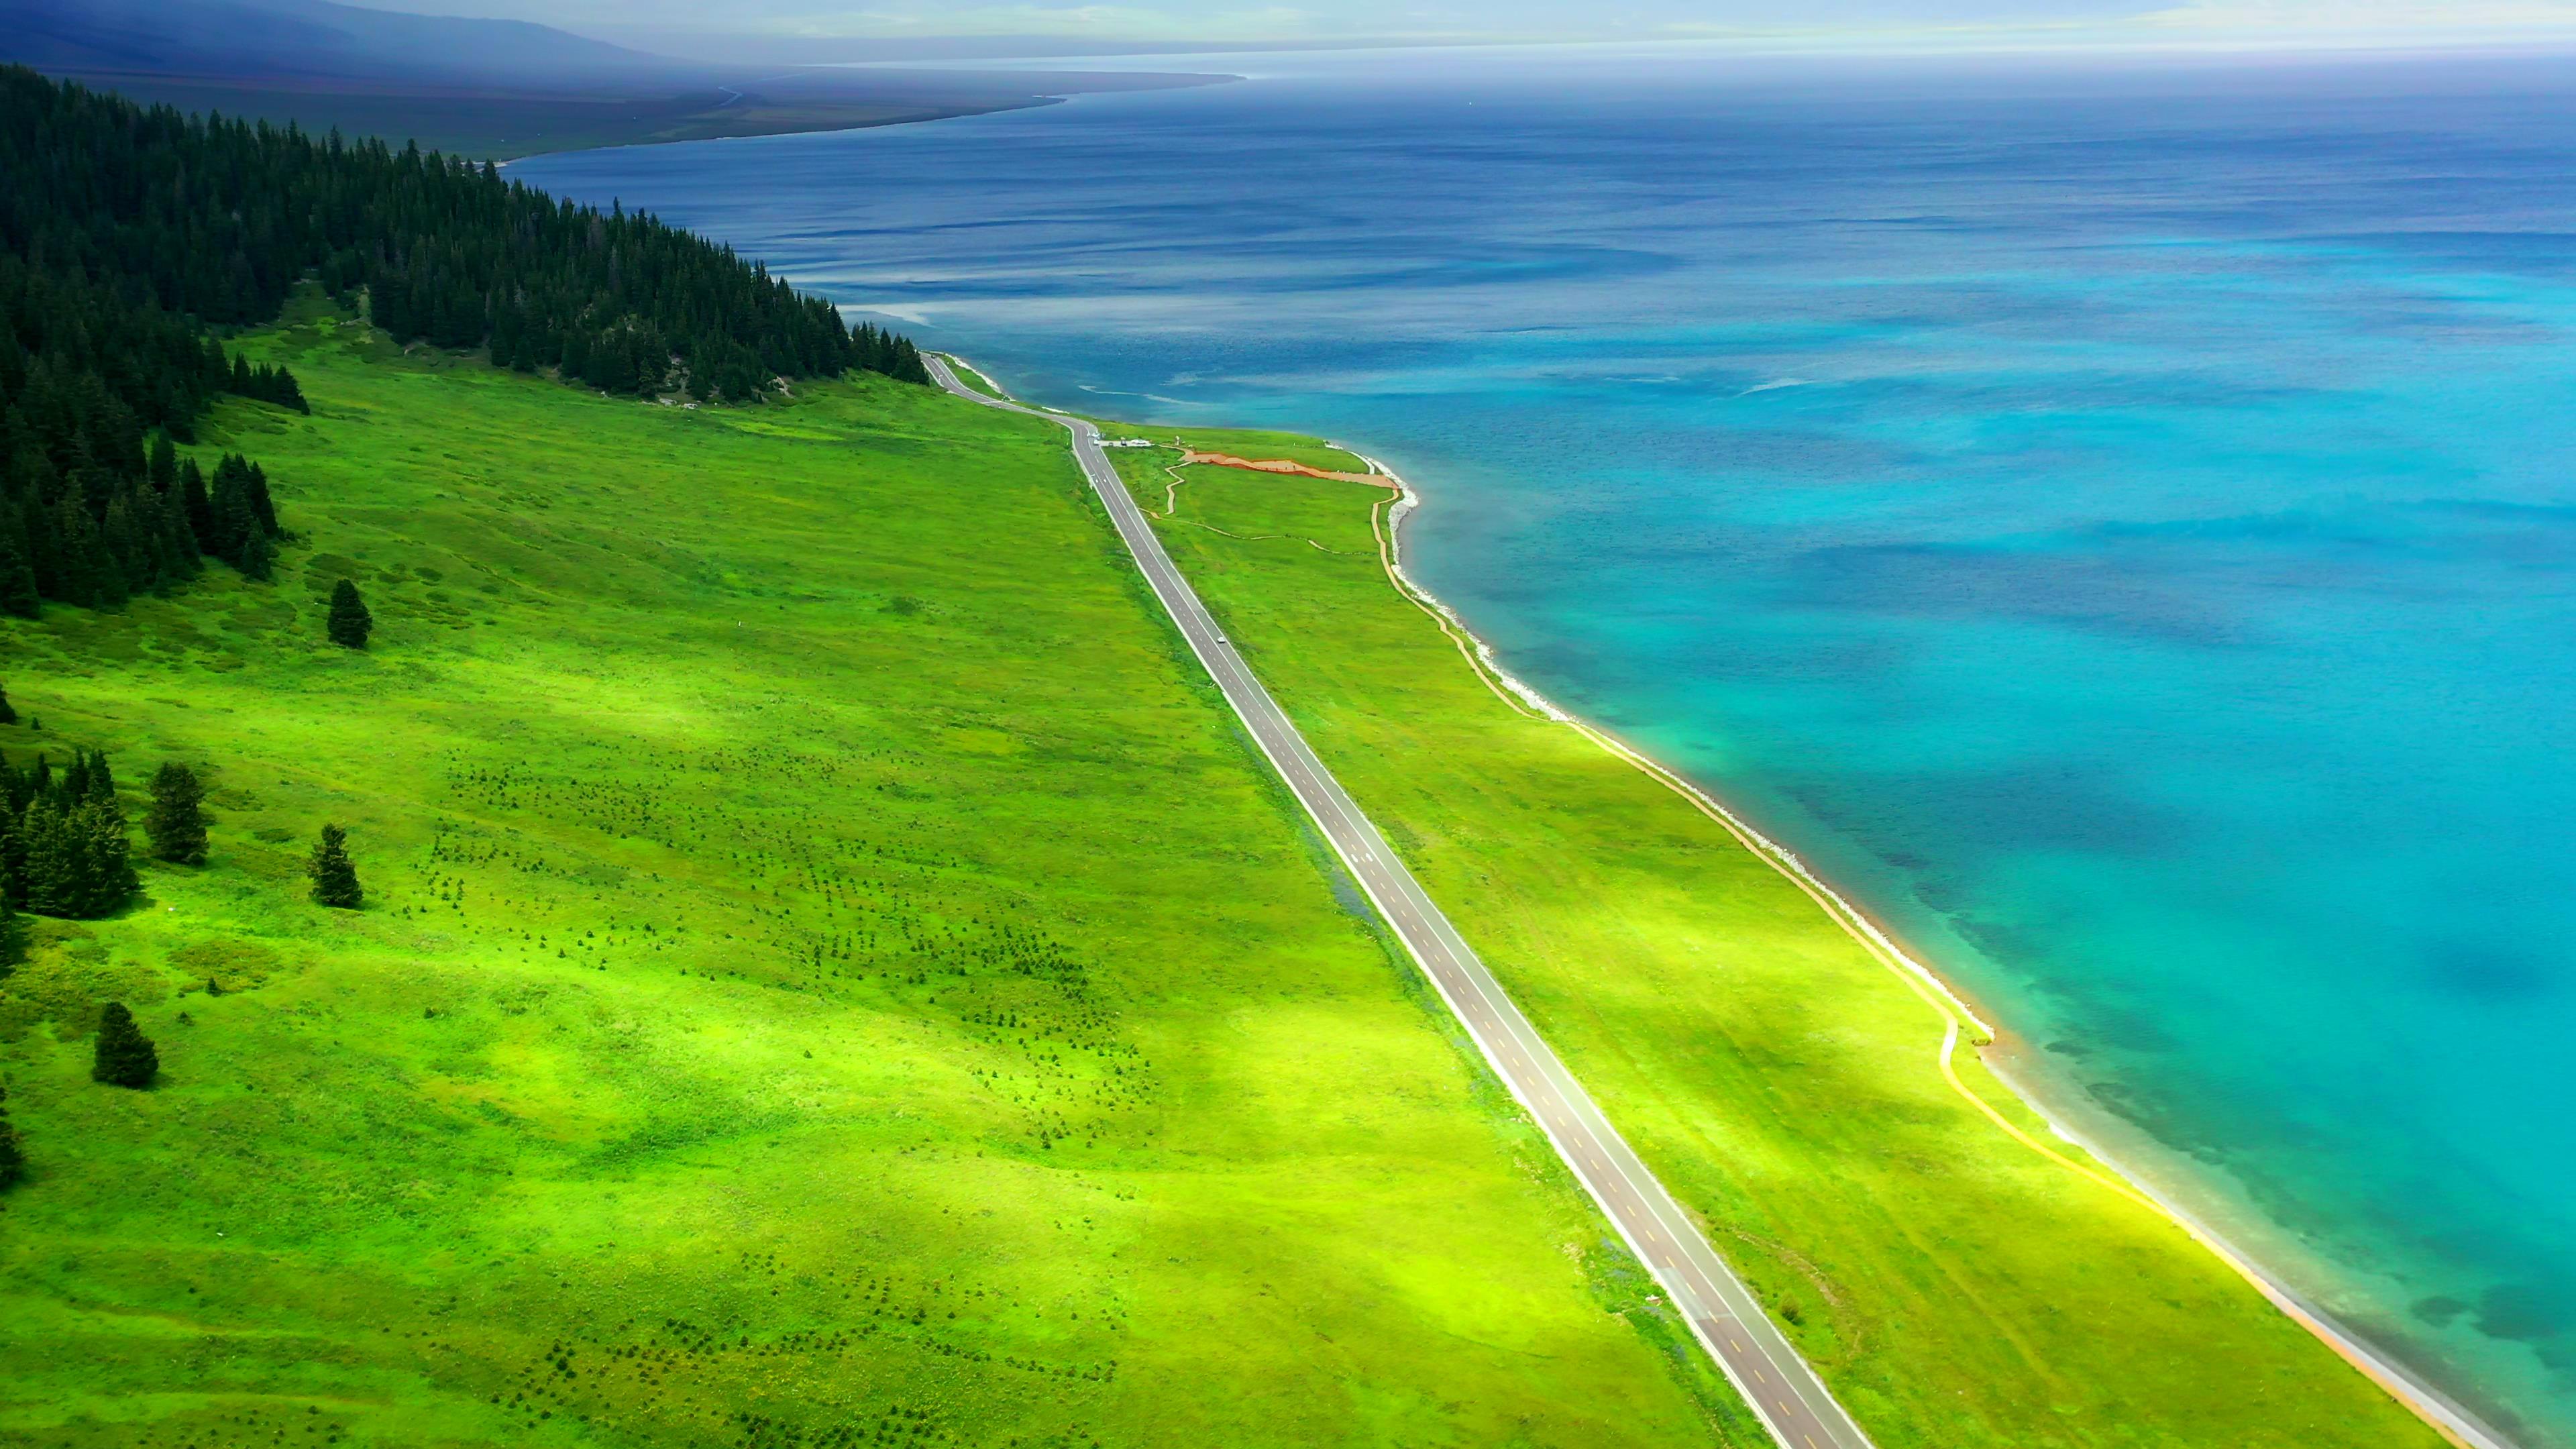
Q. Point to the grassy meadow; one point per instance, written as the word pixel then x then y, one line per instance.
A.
pixel 1955 1287
pixel 832 974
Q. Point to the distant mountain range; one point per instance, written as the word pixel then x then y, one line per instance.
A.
pixel 300 39
pixel 483 88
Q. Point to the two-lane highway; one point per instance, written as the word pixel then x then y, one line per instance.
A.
pixel 1773 1379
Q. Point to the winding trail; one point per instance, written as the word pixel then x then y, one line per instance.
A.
pixel 1777 1384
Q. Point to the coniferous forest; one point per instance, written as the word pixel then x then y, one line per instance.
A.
pixel 127 234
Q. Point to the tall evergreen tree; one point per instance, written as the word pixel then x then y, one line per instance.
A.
pixel 255 492
pixel 258 557
pixel 197 506
pixel 284 391
pixel 19 594
pixel 350 623
pixel 8 716
pixel 124 1055
pixel 176 825
pixel 335 879
pixel 13 1158
pixel 90 779
pixel 55 875
pixel 101 830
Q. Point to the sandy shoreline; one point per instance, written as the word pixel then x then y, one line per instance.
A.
pixel 2438 1409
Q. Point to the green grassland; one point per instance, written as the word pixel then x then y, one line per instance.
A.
pixel 832 974
pixel 1954 1286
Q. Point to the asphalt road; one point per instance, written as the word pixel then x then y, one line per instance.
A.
pixel 1777 1383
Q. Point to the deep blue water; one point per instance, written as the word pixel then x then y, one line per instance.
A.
pixel 2119 524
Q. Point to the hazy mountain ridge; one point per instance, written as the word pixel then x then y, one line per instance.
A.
pixel 286 38
pixel 480 88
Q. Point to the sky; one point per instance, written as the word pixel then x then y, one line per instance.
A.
pixel 2008 23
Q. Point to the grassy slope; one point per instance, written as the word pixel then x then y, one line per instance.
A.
pixel 675 1086
pixel 1956 1288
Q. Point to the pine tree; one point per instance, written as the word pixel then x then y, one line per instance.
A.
pixel 200 509
pixel 125 1056
pixel 255 493
pixel 229 512
pixel 19 592
pixel 53 881
pixel 335 880
pixel 177 827
pixel 96 781
pixel 350 622
pixel 13 867
pixel 98 835
pixel 258 557
pixel 8 716
pixel 13 1159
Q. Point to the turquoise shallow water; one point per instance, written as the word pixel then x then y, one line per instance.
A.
pixel 2117 524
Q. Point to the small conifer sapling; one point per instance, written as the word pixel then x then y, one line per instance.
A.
pixel 335 880
pixel 176 825
pixel 350 622
pixel 125 1056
